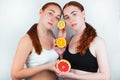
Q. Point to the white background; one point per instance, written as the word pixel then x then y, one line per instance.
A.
pixel 17 16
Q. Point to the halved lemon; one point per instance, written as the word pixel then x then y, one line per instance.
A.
pixel 61 24
pixel 61 42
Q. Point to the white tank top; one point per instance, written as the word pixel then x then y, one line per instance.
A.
pixel 46 56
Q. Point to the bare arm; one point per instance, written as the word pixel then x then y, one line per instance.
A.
pixel 18 71
pixel 61 33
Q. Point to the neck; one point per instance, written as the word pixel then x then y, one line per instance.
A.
pixel 80 31
pixel 42 30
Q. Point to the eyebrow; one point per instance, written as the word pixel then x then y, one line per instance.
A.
pixel 70 13
pixel 73 12
pixel 52 10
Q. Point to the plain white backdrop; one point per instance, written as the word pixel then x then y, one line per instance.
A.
pixel 17 16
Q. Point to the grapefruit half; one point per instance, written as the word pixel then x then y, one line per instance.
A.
pixel 63 66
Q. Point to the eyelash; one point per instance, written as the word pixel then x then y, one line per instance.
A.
pixel 57 18
pixel 66 18
pixel 50 13
pixel 74 14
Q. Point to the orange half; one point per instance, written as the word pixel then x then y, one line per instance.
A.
pixel 63 66
pixel 61 24
pixel 61 42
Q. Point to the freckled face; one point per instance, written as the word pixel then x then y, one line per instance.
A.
pixel 73 16
pixel 50 16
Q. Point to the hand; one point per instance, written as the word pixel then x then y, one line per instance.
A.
pixel 68 75
pixel 52 66
pixel 59 50
pixel 62 32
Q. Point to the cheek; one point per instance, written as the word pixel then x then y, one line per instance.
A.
pixel 56 22
pixel 80 19
pixel 67 23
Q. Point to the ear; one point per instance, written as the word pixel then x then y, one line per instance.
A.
pixel 40 12
pixel 83 12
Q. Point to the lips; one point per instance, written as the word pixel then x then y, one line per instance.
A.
pixel 50 23
pixel 73 25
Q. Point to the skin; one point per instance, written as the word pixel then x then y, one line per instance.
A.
pixel 74 18
pixel 48 19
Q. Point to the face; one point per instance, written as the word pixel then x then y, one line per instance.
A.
pixel 50 16
pixel 73 16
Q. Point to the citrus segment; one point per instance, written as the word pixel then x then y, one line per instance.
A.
pixel 61 24
pixel 61 42
pixel 63 66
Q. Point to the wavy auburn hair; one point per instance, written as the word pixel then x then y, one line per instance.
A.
pixel 89 32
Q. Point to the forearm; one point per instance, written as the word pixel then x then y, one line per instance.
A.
pixel 92 76
pixel 27 72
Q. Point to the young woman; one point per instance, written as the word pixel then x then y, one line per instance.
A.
pixel 86 51
pixel 36 48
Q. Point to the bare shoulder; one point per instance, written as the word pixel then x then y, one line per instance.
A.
pixel 96 45
pixel 99 45
pixel 25 41
pixel 98 41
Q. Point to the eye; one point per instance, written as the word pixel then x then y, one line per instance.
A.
pixel 58 18
pixel 74 14
pixel 50 13
pixel 66 18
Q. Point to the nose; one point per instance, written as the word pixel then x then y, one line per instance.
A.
pixel 70 20
pixel 53 19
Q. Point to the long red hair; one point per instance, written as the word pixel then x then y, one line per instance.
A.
pixel 33 33
pixel 86 38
